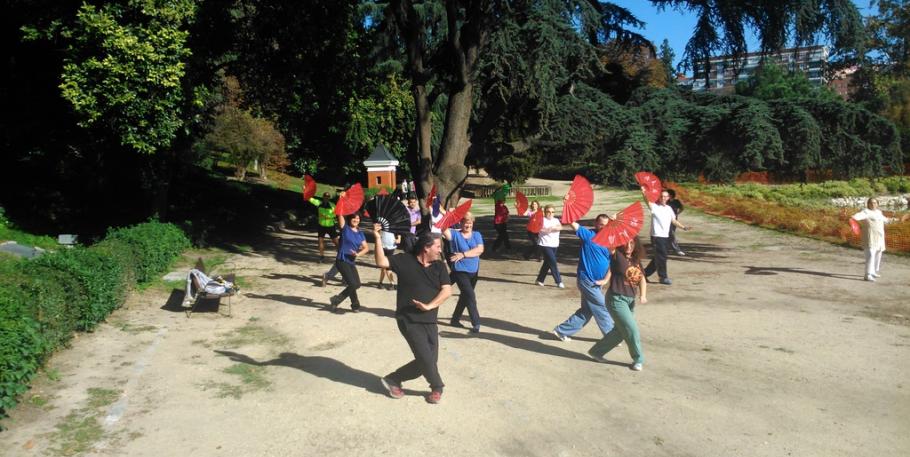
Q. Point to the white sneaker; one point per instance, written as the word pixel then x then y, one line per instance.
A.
pixel 870 278
pixel 560 336
pixel 561 286
pixel 680 253
pixel 637 367
pixel 876 275
pixel 539 283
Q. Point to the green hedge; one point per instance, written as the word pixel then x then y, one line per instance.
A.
pixel 154 244
pixel 44 300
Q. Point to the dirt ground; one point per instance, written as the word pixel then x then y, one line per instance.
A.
pixel 765 345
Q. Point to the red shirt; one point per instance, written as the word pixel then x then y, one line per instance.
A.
pixel 501 216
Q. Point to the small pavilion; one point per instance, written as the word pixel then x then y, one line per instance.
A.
pixel 381 167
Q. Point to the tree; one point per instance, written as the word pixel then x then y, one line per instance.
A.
pixel 123 69
pixel 381 112
pixel 246 139
pixel 444 44
pixel 666 56
pixel 721 25
pixel 626 68
pixel 771 82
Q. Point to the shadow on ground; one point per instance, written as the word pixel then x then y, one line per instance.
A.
pixel 772 271
pixel 322 367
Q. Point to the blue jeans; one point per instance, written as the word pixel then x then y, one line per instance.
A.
pixel 592 304
pixel 549 265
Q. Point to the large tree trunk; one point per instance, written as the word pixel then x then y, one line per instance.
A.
pixel 421 162
pixel 450 171
pixel 466 33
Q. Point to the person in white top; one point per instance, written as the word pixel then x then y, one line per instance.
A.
pixel 548 242
pixel 662 217
pixel 873 237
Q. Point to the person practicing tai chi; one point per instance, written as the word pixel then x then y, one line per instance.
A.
pixel 353 245
pixel 593 266
pixel 532 250
pixel 626 281
pixel 326 219
pixel 677 210
pixel 466 246
pixel 548 242
pixel 389 241
pixel 873 237
pixel 501 223
pixel 662 217
pixel 423 285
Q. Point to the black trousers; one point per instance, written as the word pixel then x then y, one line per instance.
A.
pixel 674 245
pixel 502 237
pixel 466 298
pixel 532 248
pixel 659 262
pixel 423 340
pixel 352 279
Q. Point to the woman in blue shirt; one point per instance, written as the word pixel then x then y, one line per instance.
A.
pixel 466 246
pixel 353 244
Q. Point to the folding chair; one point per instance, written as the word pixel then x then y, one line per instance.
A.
pixel 201 287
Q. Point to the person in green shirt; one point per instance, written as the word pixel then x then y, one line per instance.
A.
pixel 326 210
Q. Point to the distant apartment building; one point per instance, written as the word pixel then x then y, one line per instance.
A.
pixel 810 60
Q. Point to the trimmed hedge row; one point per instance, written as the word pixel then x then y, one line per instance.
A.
pixel 44 300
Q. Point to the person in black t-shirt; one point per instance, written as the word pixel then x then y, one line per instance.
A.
pixel 677 209
pixel 423 285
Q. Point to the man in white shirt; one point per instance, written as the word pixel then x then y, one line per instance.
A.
pixel 662 217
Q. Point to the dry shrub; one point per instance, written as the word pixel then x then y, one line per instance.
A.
pixel 828 224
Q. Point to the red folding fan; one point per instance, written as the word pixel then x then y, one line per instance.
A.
pixel 623 228
pixel 535 223
pixel 651 183
pixel 351 201
pixel 521 203
pixel 431 196
pixel 578 200
pixel 309 187
pixel 854 226
pixel 454 216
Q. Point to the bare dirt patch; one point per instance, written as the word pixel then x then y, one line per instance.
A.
pixel 765 345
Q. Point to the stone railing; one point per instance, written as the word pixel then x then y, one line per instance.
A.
pixel 488 190
pixel 889 202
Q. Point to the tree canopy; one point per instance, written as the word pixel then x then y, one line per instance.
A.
pixel 130 93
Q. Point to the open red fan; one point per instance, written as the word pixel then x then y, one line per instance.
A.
pixel 578 200
pixel 623 228
pixel 535 223
pixel 854 226
pixel 454 216
pixel 351 201
pixel 651 183
pixel 431 196
pixel 521 203
pixel 309 187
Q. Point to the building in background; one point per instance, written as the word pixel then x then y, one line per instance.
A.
pixel 810 60
pixel 381 167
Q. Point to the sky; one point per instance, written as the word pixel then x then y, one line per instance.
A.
pixel 677 27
